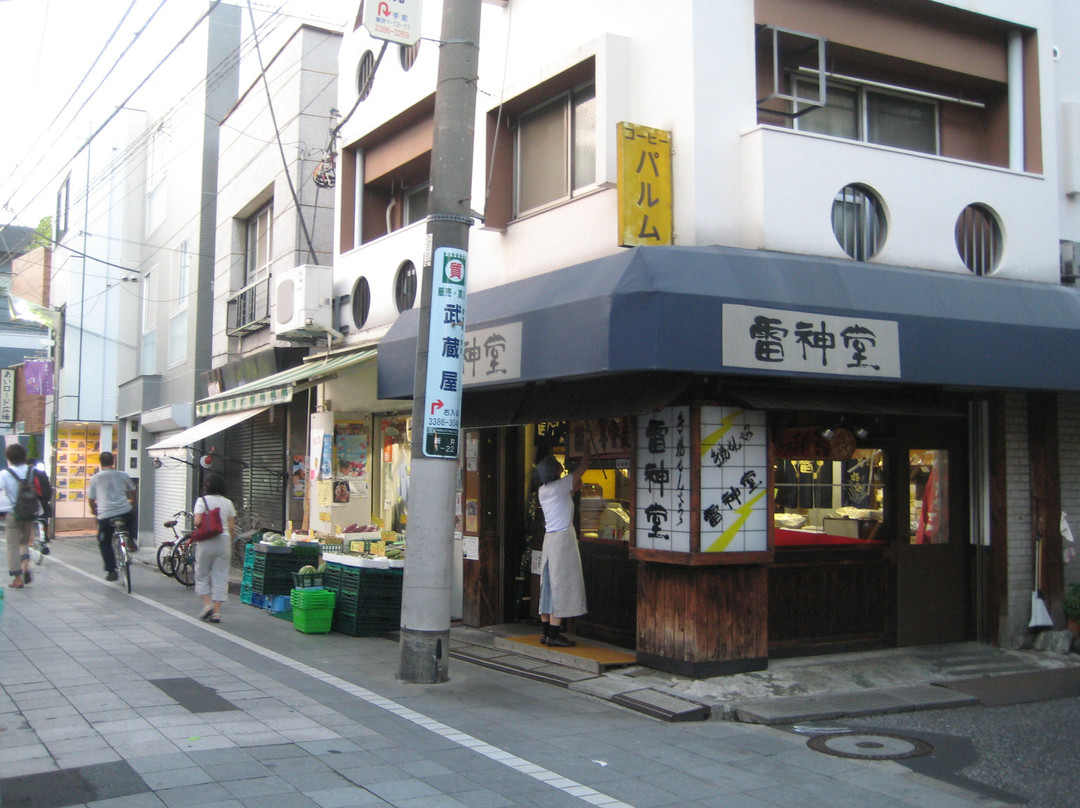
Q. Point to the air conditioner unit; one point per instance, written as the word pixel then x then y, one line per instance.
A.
pixel 303 302
pixel 1070 262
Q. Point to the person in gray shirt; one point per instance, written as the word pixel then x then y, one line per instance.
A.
pixel 111 494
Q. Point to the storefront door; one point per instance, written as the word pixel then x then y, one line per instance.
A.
pixel 930 548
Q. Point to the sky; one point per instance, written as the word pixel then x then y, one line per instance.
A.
pixel 55 63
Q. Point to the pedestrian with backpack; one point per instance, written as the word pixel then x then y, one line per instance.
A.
pixel 18 482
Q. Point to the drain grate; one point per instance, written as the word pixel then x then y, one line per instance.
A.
pixel 870 746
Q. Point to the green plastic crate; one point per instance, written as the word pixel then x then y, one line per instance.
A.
pixel 313 621
pixel 313 599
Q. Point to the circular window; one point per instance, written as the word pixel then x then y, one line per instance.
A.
pixel 408 54
pixel 858 221
pixel 978 239
pixel 405 286
pixel 361 301
pixel 364 74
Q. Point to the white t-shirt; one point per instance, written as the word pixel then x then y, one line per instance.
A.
pixel 557 500
pixel 223 504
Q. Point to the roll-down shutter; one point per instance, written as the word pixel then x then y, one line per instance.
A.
pixel 170 496
pixel 256 469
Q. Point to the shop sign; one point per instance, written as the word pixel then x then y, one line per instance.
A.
pixel 663 481
pixel 393 20
pixel 802 342
pixel 644 185
pixel 493 354
pixel 7 396
pixel 446 351
pixel 733 462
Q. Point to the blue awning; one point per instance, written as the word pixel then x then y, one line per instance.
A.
pixel 664 308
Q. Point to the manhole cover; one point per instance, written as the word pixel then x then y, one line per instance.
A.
pixel 867 746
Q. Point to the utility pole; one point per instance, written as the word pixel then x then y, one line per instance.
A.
pixel 433 474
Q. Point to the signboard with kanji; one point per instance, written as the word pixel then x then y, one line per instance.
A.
pixel 446 352
pixel 7 396
pixel 645 204
pixel 393 20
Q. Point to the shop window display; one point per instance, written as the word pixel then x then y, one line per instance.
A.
pixel 828 502
pixel 928 504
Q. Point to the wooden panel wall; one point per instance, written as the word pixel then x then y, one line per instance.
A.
pixel 481 577
pixel 702 621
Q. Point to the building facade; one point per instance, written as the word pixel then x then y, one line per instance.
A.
pixel 801 271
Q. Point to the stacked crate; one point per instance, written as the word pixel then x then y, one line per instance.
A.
pixel 249 574
pixel 313 610
pixel 368 600
pixel 272 572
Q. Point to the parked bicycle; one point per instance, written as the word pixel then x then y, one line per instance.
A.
pixel 120 541
pixel 176 558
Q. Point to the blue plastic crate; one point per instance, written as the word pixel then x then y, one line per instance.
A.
pixel 278 603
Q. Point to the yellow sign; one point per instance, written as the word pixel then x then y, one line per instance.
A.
pixel 645 202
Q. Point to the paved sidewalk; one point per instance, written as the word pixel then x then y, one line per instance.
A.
pixel 113 700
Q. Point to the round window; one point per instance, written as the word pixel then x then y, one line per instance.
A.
pixel 407 54
pixel 858 221
pixel 361 301
pixel 405 286
pixel 364 74
pixel 978 239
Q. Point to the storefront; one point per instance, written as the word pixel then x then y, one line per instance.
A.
pixel 854 398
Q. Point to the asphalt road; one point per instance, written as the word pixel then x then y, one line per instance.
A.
pixel 1023 754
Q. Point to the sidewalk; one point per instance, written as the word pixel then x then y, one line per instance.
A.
pixel 113 700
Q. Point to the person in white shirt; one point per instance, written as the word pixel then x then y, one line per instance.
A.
pixel 562 584
pixel 214 555
pixel 17 534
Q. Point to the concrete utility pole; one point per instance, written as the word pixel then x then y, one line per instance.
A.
pixel 425 601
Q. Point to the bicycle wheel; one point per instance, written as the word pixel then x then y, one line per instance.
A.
pixel 164 553
pixel 123 568
pixel 183 563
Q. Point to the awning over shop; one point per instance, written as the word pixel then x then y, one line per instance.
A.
pixel 189 437
pixel 279 387
pixel 720 310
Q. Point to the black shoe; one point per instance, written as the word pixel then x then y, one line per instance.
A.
pixel 26 576
pixel 112 576
pixel 44 549
pixel 559 641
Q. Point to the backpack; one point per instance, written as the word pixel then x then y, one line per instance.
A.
pixel 25 507
pixel 43 488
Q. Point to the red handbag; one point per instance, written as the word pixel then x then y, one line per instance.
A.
pixel 210 526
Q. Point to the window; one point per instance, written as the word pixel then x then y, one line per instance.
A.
pixel 858 221
pixel 978 239
pixel 407 54
pixel 62 209
pixel 928 500
pixel 361 301
pixel 365 73
pixel 155 179
pixel 873 116
pixel 178 333
pixel 555 150
pixel 405 286
pixel 148 363
pixel 258 245
pixel 416 203
pixel 148 300
pixel 183 275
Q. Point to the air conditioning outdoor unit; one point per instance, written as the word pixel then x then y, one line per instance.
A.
pixel 303 302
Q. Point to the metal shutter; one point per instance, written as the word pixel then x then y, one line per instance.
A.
pixel 170 496
pixel 256 469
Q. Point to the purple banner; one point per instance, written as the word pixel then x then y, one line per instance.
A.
pixel 39 380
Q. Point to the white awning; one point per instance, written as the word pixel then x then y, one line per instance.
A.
pixel 175 445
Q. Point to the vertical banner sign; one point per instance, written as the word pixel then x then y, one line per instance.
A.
pixel 663 480
pixel 645 204
pixel 393 20
pixel 733 456
pixel 7 396
pixel 446 339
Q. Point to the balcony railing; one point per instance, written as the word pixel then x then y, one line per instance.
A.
pixel 249 309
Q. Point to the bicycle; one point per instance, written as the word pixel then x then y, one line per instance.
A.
pixel 120 540
pixel 39 541
pixel 165 549
pixel 182 560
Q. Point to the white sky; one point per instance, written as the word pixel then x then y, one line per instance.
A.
pixel 48 46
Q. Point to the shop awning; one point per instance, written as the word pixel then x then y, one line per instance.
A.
pixel 279 387
pixel 714 310
pixel 192 435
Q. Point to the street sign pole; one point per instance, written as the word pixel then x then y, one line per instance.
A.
pixel 433 473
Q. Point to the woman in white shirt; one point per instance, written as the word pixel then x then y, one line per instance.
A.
pixel 214 555
pixel 562 585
